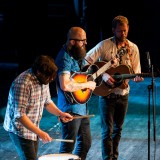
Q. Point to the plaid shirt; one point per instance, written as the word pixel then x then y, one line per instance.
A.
pixel 26 97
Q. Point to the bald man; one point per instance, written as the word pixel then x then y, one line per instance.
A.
pixel 69 61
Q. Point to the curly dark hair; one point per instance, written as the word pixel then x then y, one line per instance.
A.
pixel 45 65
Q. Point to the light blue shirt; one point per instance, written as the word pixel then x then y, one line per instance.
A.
pixel 67 64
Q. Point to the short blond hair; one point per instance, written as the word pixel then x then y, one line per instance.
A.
pixel 119 20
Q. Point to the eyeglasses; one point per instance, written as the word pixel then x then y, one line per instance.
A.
pixel 80 40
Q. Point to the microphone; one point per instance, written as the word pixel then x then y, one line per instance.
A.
pixel 149 60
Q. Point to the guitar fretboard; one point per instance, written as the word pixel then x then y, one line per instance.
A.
pixel 121 52
pixel 101 70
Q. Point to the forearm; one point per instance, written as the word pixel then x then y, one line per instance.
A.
pixel 74 86
pixel 70 85
pixel 26 122
pixel 53 109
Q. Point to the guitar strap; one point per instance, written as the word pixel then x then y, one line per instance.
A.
pixel 126 50
pixel 80 64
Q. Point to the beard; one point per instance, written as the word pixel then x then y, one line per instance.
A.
pixel 120 39
pixel 78 53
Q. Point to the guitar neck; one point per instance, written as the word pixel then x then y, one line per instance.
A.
pixel 121 52
pixel 101 70
pixel 130 76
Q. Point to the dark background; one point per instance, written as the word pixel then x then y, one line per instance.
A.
pixel 30 28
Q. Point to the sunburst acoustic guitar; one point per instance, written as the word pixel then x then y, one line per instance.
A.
pixel 89 73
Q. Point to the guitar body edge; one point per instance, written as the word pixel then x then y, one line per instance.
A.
pixel 104 89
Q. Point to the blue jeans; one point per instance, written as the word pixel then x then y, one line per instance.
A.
pixel 26 149
pixel 112 112
pixel 79 131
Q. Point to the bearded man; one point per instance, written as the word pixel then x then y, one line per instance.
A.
pixel 68 62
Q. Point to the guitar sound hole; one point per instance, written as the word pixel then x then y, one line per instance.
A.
pixel 83 90
pixel 91 69
pixel 98 81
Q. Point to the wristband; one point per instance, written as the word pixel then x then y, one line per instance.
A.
pixel 105 77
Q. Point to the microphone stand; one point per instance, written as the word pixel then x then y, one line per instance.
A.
pixel 151 88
